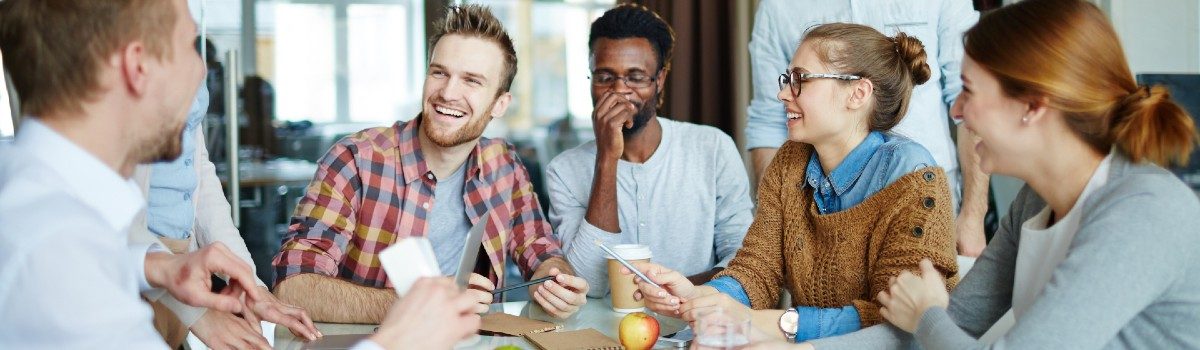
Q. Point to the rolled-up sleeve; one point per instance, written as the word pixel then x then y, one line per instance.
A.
pixel 324 220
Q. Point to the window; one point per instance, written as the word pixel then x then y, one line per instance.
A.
pixel 7 129
pixel 342 60
pixel 551 36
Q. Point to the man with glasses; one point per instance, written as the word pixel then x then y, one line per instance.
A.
pixel 679 188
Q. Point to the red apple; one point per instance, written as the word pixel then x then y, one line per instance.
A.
pixel 638 331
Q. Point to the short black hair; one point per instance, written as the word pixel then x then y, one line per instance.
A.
pixel 635 21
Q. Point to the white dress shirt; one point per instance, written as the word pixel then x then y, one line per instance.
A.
pixel 69 279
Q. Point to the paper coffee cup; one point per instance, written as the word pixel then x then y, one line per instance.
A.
pixel 621 285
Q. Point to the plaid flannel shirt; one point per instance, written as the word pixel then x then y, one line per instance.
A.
pixel 374 188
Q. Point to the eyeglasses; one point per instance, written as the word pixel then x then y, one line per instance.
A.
pixel 636 80
pixel 794 77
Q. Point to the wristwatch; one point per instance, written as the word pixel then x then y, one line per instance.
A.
pixel 789 323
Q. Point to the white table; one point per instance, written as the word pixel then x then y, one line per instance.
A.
pixel 597 313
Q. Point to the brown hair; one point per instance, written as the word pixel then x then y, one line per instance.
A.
pixel 894 65
pixel 477 21
pixel 54 48
pixel 1067 52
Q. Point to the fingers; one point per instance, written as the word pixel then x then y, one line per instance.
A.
pixel 558 296
pixel 887 314
pixel 573 297
pixel 553 305
pixel 479 282
pixel 253 320
pixel 928 271
pixel 217 258
pixel 614 109
pixel 482 300
pixel 207 299
pixel 574 283
pixel 884 298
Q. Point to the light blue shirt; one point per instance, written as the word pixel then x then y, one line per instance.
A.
pixel 875 163
pixel 171 210
pixel 779 25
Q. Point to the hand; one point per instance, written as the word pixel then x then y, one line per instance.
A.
pixel 909 296
pixel 480 289
pixel 188 277
pixel 434 314
pixel 614 113
pixel 971 239
pixel 562 296
pixel 275 311
pixel 223 330
pixel 688 310
pixel 663 301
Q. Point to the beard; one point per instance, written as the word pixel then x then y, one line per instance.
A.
pixel 163 148
pixel 470 131
pixel 646 110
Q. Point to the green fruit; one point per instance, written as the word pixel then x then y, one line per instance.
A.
pixel 508 347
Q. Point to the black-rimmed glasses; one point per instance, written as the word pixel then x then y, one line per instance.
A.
pixel 794 77
pixel 634 80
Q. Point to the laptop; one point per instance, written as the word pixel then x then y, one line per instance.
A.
pixel 404 263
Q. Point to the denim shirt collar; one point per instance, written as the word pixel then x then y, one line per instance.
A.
pixel 851 168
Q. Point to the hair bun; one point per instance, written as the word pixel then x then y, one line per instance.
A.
pixel 912 54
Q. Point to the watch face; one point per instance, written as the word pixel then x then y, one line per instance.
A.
pixel 789 322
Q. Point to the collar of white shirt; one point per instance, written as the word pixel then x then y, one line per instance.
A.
pixel 95 184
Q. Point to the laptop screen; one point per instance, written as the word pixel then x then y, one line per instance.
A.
pixel 1185 90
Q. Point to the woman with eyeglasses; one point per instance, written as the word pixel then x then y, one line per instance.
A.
pixel 843 207
pixel 1099 248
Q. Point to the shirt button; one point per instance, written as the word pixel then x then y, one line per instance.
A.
pixel 429 176
pixel 918 231
pixel 928 176
pixel 187 196
pixel 928 202
pixel 642 224
pixel 426 205
pixel 187 162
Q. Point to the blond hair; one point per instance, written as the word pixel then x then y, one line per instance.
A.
pixel 55 48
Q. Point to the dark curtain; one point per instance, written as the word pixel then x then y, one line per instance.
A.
pixel 984 5
pixel 701 81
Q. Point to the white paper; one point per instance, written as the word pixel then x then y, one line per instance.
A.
pixel 408 260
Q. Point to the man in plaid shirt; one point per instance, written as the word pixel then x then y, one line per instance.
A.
pixel 381 185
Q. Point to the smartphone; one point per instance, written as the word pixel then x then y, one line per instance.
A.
pixel 679 340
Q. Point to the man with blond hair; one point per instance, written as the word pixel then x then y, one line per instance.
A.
pixel 434 177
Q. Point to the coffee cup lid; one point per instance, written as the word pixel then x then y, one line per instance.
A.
pixel 633 251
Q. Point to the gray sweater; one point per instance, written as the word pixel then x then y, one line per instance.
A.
pixel 1131 277
pixel 690 202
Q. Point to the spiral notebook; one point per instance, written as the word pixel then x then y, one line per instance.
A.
pixel 583 339
pixel 501 323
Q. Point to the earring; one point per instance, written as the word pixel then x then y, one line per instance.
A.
pixel 1024 120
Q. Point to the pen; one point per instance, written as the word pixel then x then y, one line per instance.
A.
pixel 628 265
pixel 526 284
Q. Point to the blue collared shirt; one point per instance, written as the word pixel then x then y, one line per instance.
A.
pixel 872 165
pixel 171 211
pixel 875 163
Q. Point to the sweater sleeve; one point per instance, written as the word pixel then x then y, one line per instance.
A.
pixel 1131 248
pixel 920 227
pixel 758 265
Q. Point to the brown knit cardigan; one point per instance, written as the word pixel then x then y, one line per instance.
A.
pixel 846 257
